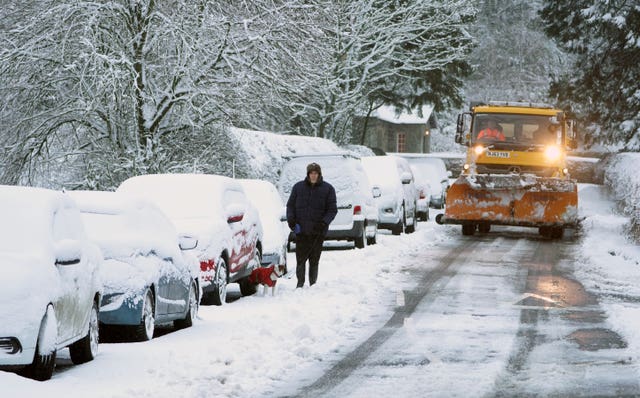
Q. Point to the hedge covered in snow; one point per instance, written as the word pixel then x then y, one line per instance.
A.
pixel 620 172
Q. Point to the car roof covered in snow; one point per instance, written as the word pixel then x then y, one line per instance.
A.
pixel 27 217
pixel 183 195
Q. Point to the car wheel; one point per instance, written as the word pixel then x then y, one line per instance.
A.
pixel 484 227
pixel 41 368
pixel 44 360
pixel 361 241
pixel 219 293
pixel 144 331
pixel 411 228
pixel 192 310
pixel 247 288
pixel 86 349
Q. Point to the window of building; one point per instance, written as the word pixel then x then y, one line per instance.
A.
pixel 401 142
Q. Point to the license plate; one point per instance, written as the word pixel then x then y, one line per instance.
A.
pixel 493 154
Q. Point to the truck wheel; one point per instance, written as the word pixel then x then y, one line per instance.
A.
pixel 545 232
pixel 468 229
pixel 484 228
pixel 557 232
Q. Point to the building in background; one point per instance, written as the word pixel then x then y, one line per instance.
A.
pixel 390 131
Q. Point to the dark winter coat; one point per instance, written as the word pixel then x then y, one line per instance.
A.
pixel 311 205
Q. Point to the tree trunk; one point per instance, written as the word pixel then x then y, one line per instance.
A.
pixel 363 135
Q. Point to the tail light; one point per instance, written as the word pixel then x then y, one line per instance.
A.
pixel 422 195
pixel 357 210
pixel 208 269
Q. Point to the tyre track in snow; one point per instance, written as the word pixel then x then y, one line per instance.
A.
pixel 353 360
pixel 552 303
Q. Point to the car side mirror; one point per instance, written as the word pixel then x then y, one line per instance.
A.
pixel 406 178
pixel 68 252
pixel 187 242
pixel 572 136
pixel 376 191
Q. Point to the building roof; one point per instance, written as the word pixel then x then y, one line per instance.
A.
pixel 388 113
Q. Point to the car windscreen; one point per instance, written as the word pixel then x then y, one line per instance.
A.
pixel 26 227
pixel 123 235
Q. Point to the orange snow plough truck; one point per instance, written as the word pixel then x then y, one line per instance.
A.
pixel 515 171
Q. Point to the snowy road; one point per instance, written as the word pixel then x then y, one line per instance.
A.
pixel 427 314
pixel 501 315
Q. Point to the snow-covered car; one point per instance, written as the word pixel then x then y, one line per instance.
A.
pixel 357 218
pixel 264 196
pixel 215 212
pixel 433 172
pixel 392 176
pixel 147 278
pixel 50 287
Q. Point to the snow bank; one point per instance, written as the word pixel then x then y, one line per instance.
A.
pixel 622 178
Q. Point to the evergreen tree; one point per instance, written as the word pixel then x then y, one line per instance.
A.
pixel 603 87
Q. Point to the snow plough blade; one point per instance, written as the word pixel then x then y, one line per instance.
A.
pixel 521 200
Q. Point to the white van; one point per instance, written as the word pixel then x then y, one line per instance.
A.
pixel 357 218
pixel 397 202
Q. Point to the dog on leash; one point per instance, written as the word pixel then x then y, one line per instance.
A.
pixel 267 277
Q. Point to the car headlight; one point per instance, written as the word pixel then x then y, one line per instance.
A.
pixel 552 153
pixel 111 302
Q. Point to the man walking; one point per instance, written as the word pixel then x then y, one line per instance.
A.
pixel 310 209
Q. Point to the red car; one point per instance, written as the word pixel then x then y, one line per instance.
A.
pixel 213 211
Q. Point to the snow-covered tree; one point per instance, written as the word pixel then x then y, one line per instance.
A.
pixel 513 60
pixel 603 86
pixel 357 55
pixel 117 79
pixel 95 91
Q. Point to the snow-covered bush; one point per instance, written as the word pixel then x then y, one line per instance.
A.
pixel 621 176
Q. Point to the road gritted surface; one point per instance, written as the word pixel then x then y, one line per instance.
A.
pixel 343 369
pixel 499 315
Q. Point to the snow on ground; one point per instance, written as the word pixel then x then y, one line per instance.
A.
pixel 621 175
pixel 255 345
pixel 610 262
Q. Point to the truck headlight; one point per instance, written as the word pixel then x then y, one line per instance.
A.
pixel 552 153
pixel 478 149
